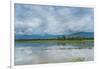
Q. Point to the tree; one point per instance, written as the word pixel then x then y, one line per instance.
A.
pixel 63 37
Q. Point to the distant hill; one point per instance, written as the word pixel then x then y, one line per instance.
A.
pixel 83 34
pixel 46 36
pixel 36 36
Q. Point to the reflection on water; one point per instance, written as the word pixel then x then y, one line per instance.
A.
pixel 40 53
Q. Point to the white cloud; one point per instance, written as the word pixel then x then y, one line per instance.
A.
pixel 54 20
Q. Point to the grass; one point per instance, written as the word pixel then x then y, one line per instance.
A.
pixel 58 42
pixel 81 43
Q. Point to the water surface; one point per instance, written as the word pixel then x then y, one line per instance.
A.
pixel 52 52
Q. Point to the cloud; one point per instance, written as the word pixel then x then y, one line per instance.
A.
pixel 38 19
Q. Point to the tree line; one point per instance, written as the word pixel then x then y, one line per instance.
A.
pixel 63 37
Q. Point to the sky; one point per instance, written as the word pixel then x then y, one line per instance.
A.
pixel 33 19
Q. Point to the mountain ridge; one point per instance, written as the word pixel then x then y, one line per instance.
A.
pixel 46 36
